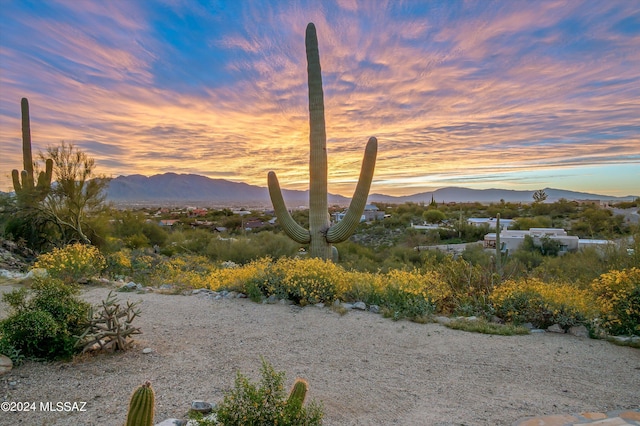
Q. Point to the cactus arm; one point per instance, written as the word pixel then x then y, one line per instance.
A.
pixel 44 179
pixel 141 406
pixel 343 229
pixel 15 176
pixel 296 232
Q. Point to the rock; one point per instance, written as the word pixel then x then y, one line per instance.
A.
pixel 131 285
pixel 442 320
pixel 37 273
pixel 579 331
pixel 201 406
pixel 361 306
pixel 555 328
pixel 374 309
pixel 13 385
pixel 528 326
pixel 5 364
pixel 286 302
pixel 536 330
pixel 231 295
pixel 241 296
pixel 621 339
pixel 172 422
pixel 497 320
pixel 319 305
pixel 147 351
pixel 166 287
pixel 347 306
pixel 271 299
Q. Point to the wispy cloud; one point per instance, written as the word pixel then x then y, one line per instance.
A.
pixel 469 93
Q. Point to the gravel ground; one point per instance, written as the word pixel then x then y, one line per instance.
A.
pixel 365 369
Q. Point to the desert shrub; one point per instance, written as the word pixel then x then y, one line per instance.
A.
pixel 119 264
pixel 618 300
pixel 263 404
pixel 44 320
pixel 72 263
pixel 485 327
pixel 542 303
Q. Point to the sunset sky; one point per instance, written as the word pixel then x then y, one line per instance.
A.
pixel 479 94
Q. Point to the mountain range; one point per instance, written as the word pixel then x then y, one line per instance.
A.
pixel 179 189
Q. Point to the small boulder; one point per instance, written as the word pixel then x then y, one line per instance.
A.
pixel 579 331
pixel 361 306
pixel 555 328
pixel 374 309
pixel 5 364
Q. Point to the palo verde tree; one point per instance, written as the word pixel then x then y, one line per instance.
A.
pixel 76 195
pixel 321 235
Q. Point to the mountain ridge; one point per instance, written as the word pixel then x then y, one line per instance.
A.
pixel 181 188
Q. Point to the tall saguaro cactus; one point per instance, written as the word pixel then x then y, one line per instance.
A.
pixel 28 190
pixel 321 235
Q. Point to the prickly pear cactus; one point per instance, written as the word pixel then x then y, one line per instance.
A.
pixel 141 407
pixel 321 235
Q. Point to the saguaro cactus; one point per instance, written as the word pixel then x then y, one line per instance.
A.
pixel 28 190
pixel 321 235
pixel 141 406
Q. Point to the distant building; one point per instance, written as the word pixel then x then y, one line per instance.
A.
pixel 490 221
pixel 168 222
pixel 370 213
pixel 511 240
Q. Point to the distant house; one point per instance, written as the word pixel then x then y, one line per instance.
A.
pixel 490 221
pixel 252 224
pixel 168 222
pixel 197 212
pixel 370 213
pixel 511 240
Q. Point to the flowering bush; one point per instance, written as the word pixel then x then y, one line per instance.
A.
pixel 264 404
pixel 72 263
pixel 542 303
pixel 618 300
pixel 119 263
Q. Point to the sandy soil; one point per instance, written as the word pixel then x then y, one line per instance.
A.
pixel 365 369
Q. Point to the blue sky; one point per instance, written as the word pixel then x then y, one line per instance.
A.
pixel 481 94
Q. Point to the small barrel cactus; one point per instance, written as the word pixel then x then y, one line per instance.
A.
pixel 298 392
pixel 141 407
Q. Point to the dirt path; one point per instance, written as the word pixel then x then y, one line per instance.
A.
pixel 366 370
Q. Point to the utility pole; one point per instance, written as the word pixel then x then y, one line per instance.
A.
pixel 498 248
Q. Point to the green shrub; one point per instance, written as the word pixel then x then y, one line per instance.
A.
pixel 43 321
pixel 485 327
pixel 7 349
pixel 264 404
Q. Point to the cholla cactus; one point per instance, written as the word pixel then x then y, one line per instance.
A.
pixel 28 190
pixel 321 235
